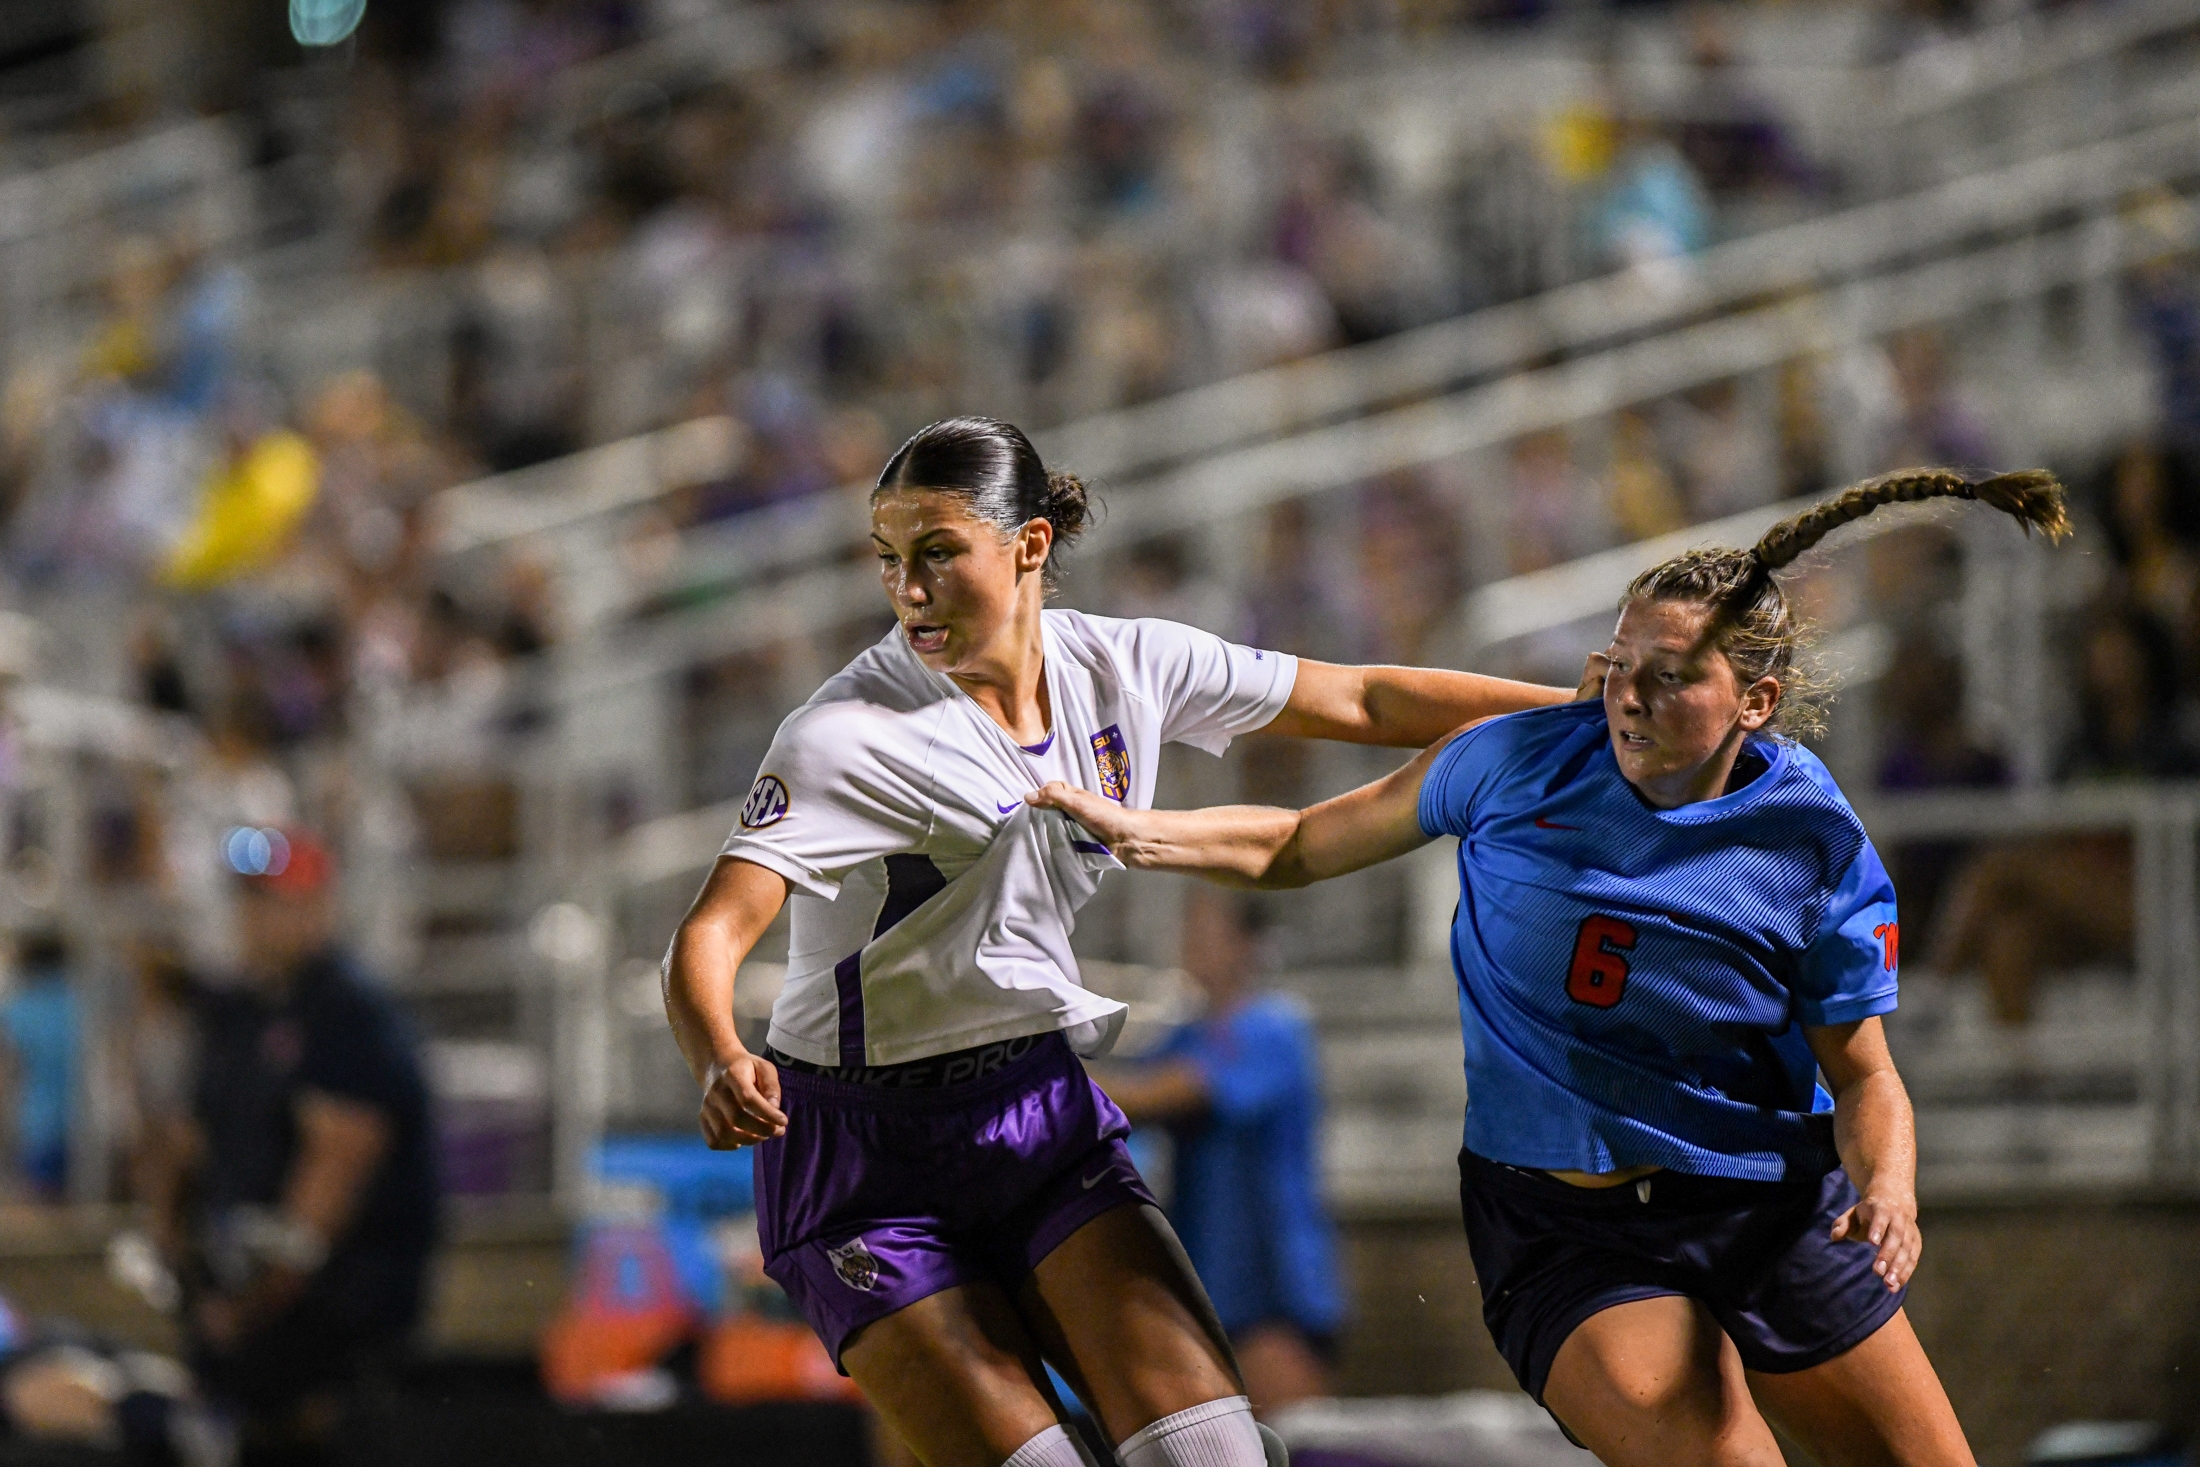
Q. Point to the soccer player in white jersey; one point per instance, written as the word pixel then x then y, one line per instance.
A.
pixel 939 1187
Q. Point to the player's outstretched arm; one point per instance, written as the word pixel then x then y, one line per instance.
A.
pixel 1258 845
pixel 1876 1134
pixel 740 1090
pixel 1404 707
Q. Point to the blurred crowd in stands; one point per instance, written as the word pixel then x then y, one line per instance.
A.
pixel 829 234
pixel 825 234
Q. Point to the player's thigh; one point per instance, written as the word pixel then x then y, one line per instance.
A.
pixel 954 1375
pixel 1876 1405
pixel 1119 1308
pixel 1654 1382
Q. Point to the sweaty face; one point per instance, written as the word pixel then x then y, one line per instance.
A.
pixel 954 579
pixel 1674 703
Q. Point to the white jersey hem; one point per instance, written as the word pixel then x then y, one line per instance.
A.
pixel 928 1045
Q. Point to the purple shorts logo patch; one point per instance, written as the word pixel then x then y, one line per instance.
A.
pixel 856 1265
pixel 767 803
pixel 1114 758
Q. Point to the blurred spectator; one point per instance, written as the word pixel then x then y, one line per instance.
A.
pixel 2159 568
pixel 1733 138
pixel 1240 1092
pixel 2167 294
pixel 1923 745
pixel 2028 907
pixel 42 1021
pixel 1651 214
pixel 1645 501
pixel 308 1207
pixel 64 1391
pixel 1554 513
pixel 258 493
pixel 2127 715
pixel 1157 579
pixel 1727 456
pixel 1410 570
pixel 1936 423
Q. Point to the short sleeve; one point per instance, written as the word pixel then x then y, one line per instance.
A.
pixel 353 1051
pixel 1456 780
pixel 1849 973
pixel 1209 690
pixel 825 802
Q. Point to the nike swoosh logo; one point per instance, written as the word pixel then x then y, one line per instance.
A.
pixel 1542 824
pixel 1095 1179
pixel 1007 809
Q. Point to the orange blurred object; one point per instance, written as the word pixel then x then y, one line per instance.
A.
pixel 747 1359
pixel 759 1348
pixel 626 1314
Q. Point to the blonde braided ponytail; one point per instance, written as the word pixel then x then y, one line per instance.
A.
pixel 2031 496
pixel 1753 624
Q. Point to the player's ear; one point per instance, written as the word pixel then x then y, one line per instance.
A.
pixel 1760 700
pixel 1034 538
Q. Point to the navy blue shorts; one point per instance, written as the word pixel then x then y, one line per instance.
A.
pixel 1756 1254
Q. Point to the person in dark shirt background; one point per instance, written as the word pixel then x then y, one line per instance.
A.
pixel 303 1215
pixel 1240 1093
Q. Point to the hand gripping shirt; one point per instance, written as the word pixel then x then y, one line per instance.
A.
pixel 1634 982
pixel 931 907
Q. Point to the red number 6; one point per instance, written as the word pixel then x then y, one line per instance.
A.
pixel 1599 974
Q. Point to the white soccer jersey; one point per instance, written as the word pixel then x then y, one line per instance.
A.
pixel 932 907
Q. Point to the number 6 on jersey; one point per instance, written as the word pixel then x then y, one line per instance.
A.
pixel 1599 972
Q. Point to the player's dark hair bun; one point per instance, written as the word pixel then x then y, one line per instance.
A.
pixel 992 465
pixel 1068 505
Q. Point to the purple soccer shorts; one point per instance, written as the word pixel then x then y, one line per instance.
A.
pixel 879 1195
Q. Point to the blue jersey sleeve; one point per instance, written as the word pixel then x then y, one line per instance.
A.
pixel 1849 973
pixel 1457 778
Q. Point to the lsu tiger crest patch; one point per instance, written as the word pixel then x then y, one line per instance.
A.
pixel 1114 759
pixel 856 1265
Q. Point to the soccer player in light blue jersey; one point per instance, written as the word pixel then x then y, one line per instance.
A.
pixel 1670 924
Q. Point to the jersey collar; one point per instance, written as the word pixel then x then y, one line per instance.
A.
pixel 1774 752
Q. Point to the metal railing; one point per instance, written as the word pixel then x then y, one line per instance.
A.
pixel 2147 1132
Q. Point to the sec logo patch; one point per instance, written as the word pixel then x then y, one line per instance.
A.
pixel 766 805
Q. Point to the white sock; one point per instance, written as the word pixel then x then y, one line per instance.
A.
pixel 1054 1447
pixel 1218 1434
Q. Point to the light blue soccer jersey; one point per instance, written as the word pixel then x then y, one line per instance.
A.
pixel 1633 982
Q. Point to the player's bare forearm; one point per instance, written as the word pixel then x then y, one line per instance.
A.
pixel 1875 1132
pixel 740 1104
pixel 1234 845
pixel 738 901
pixel 1401 707
pixel 1258 845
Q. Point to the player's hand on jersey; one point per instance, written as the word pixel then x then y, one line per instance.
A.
pixel 1592 678
pixel 1106 821
pixel 1889 1224
pixel 741 1103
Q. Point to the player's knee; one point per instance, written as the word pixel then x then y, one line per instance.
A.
pixel 1672 1398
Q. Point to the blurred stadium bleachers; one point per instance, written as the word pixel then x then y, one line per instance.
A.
pixel 456 440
